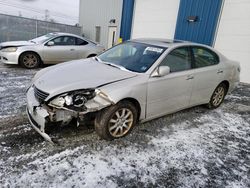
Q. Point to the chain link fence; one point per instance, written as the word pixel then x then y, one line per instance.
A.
pixel 17 28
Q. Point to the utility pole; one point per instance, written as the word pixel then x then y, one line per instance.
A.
pixel 46 18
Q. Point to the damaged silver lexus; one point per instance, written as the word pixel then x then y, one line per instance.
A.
pixel 138 80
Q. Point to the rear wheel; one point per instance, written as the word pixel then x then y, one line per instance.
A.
pixel 30 60
pixel 218 96
pixel 116 121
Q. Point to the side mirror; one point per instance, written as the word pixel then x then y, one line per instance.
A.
pixel 50 43
pixel 161 71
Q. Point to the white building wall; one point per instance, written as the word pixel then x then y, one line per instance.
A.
pixel 98 13
pixel 155 18
pixel 233 38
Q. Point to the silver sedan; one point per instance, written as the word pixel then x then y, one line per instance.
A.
pixel 48 49
pixel 138 80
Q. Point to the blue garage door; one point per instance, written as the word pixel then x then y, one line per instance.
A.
pixel 127 17
pixel 197 20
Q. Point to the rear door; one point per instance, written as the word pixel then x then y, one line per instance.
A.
pixel 64 49
pixel 171 92
pixel 208 74
pixel 83 48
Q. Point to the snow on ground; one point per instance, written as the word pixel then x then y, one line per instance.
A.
pixel 192 148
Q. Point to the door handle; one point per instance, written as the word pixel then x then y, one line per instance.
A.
pixel 72 49
pixel 219 71
pixel 190 77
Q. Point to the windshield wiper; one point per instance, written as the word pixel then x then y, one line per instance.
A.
pixel 110 64
pixel 116 66
pixel 97 59
pixel 113 65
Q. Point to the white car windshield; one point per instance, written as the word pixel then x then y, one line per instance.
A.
pixel 42 39
pixel 133 56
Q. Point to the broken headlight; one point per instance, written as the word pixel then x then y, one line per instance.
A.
pixel 74 100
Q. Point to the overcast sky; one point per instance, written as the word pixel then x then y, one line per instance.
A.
pixel 63 11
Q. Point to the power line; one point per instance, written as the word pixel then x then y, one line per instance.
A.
pixel 39 11
pixel 33 9
pixel 54 12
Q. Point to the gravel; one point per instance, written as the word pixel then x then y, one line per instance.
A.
pixel 196 147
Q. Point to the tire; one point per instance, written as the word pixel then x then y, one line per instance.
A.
pixel 218 96
pixel 116 121
pixel 30 60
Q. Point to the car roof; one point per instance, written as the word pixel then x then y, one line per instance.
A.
pixel 61 33
pixel 164 42
pixel 170 43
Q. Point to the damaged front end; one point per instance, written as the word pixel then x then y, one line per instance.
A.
pixel 62 108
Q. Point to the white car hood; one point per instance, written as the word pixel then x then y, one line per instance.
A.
pixel 16 44
pixel 79 74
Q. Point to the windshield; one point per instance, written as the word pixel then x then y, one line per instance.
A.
pixel 133 56
pixel 42 39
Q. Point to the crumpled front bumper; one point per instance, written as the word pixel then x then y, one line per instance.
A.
pixel 37 115
pixel 37 127
pixel 40 115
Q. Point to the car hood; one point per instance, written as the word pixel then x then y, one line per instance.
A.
pixel 79 74
pixel 16 44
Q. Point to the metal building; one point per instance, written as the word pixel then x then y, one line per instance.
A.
pixel 101 20
pixel 223 24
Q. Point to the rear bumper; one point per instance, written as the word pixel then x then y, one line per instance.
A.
pixel 9 58
pixel 232 86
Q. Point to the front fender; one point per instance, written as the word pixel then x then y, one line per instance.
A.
pixel 135 88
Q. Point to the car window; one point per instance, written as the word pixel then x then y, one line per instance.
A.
pixel 43 38
pixel 64 41
pixel 125 51
pixel 178 60
pixel 204 57
pixel 81 42
pixel 137 57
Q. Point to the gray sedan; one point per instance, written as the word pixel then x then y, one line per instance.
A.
pixel 48 49
pixel 138 80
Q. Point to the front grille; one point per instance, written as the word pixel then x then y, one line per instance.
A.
pixel 40 95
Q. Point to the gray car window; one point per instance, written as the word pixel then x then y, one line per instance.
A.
pixel 81 42
pixel 178 60
pixel 43 38
pixel 64 41
pixel 204 57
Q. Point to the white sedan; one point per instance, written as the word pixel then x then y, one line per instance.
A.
pixel 138 80
pixel 52 48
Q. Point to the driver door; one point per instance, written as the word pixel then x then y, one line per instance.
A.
pixel 172 92
pixel 63 49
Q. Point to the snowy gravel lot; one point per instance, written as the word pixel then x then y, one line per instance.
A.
pixel 192 148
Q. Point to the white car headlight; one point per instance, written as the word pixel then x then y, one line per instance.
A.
pixel 74 100
pixel 10 49
pixel 58 101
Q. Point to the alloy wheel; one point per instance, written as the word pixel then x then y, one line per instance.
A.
pixel 121 122
pixel 218 96
pixel 30 61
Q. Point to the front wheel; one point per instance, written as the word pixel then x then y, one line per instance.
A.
pixel 116 121
pixel 218 96
pixel 30 60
